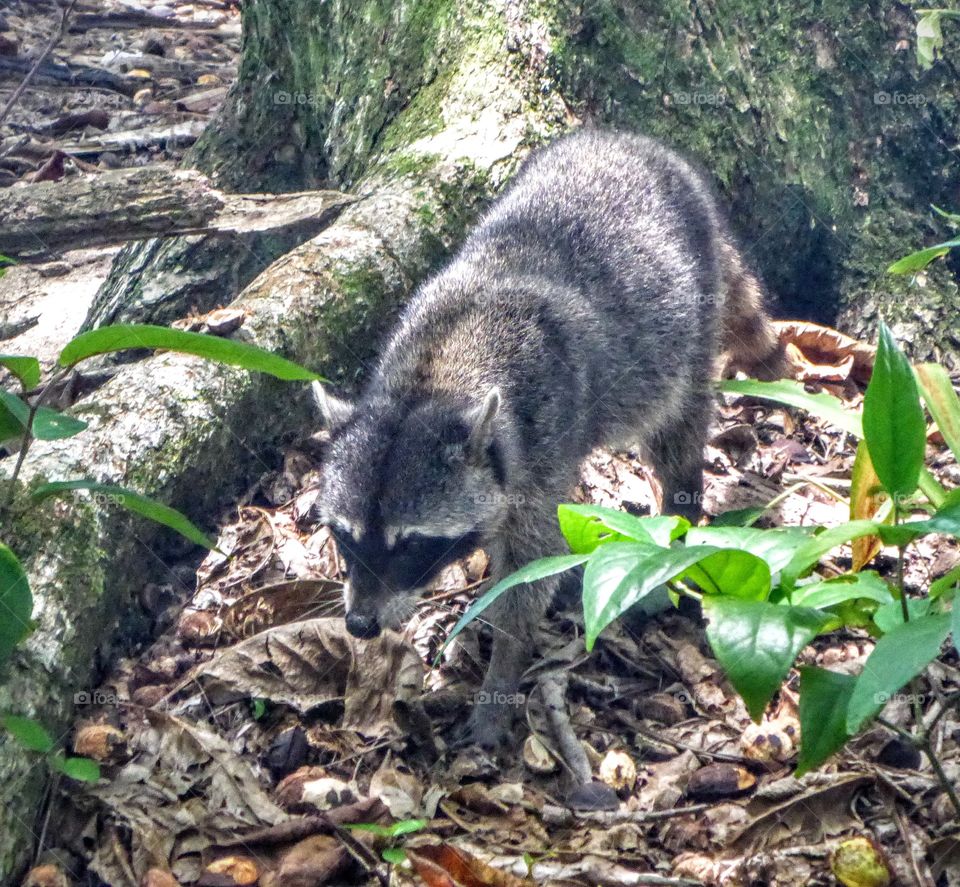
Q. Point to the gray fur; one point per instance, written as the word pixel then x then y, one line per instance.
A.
pixel 586 308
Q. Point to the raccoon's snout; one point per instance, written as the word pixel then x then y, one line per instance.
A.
pixel 364 627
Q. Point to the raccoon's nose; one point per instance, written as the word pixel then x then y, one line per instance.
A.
pixel 362 626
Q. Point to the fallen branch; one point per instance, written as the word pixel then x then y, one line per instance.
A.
pixel 50 218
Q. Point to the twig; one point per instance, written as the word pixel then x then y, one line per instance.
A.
pixel 40 60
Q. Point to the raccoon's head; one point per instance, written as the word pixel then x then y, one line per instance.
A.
pixel 407 488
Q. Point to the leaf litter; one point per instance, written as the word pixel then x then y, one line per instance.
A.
pixel 237 746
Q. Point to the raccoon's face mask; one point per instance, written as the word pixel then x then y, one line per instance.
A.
pixel 405 494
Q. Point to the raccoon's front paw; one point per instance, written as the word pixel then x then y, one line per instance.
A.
pixel 489 726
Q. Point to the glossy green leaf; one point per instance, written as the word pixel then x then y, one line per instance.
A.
pixel 732 572
pixel 10 425
pixel 809 554
pixel 26 369
pixel 394 830
pixel 587 526
pixel 942 401
pixel 852 586
pixel 898 657
pixel 47 424
pixel 893 423
pixel 29 733
pixel 946 583
pixel 393 855
pixel 532 572
pixel 919 260
pixel 51 425
pixel 739 517
pixel 776 547
pixel 125 336
pixel 824 697
pixel 946 520
pixel 795 395
pixel 890 615
pixel 81 769
pixel 621 576
pixel 929 38
pixel 16 603
pixel 757 642
pixel 142 505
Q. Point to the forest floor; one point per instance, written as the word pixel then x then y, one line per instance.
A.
pixel 236 745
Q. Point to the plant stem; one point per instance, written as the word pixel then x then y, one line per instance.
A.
pixel 926 746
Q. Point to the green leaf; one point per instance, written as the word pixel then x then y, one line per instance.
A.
pixel 893 423
pixel 10 425
pixel 795 395
pixel 890 615
pixel 125 336
pixel 776 547
pixel 739 517
pixel 156 511
pixel 942 401
pixel 921 258
pixel 621 575
pixel 587 526
pixel 898 657
pixel 757 642
pixel 955 624
pixel 824 697
pixel 393 855
pixel 944 584
pixel 29 733
pixel 809 554
pixel 850 587
pixel 51 425
pixel 732 572
pixel 26 369
pixel 946 521
pixel 47 424
pixel 539 569
pixel 394 830
pixel 81 769
pixel 16 603
pixel 929 38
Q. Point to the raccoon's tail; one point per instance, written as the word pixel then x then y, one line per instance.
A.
pixel 749 341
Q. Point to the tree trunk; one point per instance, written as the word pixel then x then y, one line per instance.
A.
pixel 424 107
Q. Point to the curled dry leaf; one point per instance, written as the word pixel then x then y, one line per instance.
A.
pixel 536 756
pixel 46 876
pixel 241 871
pixel 820 353
pixel 618 770
pixel 442 865
pixel 773 741
pixel 101 742
pixel 719 781
pixel 314 661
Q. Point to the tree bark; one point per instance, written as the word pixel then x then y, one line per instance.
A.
pixel 424 108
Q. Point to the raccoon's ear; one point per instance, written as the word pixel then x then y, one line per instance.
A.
pixel 481 423
pixel 334 411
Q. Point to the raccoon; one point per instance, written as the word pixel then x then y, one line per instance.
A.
pixel 589 306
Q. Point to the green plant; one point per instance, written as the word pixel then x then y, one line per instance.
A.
pixel 34 738
pixel 758 588
pixel 24 417
pixel 394 853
